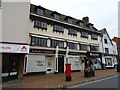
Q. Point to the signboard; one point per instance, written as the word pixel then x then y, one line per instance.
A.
pixel 36 63
pixel 75 63
pixel 14 48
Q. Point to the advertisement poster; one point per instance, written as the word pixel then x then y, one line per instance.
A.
pixel 97 63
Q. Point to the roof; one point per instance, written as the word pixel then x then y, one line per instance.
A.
pixel 117 40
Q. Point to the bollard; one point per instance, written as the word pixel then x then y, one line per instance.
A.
pixel 68 72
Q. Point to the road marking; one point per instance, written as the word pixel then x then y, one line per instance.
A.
pixel 94 81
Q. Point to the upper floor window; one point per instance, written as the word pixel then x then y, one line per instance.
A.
pixel 72 32
pixel 38 41
pixel 94 36
pixel 93 48
pixel 106 50
pixel 84 34
pixel 56 16
pixel 0 3
pixel 54 43
pixel 39 11
pixel 58 28
pixel 83 47
pixel 40 24
pixel 81 24
pixel 72 45
pixel 105 41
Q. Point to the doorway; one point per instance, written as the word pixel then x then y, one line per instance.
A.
pixel 61 64
pixel 9 67
pixel 49 64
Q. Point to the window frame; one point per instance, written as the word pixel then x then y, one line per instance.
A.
pixel 84 36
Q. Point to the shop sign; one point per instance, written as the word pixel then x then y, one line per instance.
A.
pixel 42 51
pixel 14 48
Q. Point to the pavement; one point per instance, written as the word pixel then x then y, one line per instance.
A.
pixel 57 80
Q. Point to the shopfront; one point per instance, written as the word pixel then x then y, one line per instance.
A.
pixel 96 59
pixel 12 61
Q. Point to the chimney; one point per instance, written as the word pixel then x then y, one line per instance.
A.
pixel 85 19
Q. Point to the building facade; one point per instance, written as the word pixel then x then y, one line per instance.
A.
pixel 109 50
pixel 13 41
pixel 55 39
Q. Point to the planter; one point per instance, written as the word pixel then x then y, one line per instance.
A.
pixel 90 73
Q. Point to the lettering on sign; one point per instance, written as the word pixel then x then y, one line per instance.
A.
pixel 39 62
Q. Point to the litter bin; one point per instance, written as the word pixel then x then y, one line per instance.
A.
pixel 89 72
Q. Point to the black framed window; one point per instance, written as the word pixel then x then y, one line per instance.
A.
pixel 58 28
pixel 72 45
pixel 40 24
pixel 72 32
pixel 83 47
pixel 106 50
pixel 56 16
pixel 94 48
pixel 94 36
pixel 36 41
pixel 39 11
pixel 90 26
pixel 54 43
pixel 105 41
pixel 84 34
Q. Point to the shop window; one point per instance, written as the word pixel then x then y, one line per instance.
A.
pixel 105 41
pixel 94 36
pixel 58 28
pixel 72 45
pixel 39 11
pixel 36 41
pixel 94 48
pixel 84 34
pixel 40 24
pixel 56 16
pixel 72 32
pixel 106 50
pixel 83 47
pixel 54 43
pixel 108 61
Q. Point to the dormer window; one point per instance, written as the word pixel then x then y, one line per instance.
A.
pixel 90 26
pixel 39 11
pixel 56 16
pixel 69 20
pixel 81 24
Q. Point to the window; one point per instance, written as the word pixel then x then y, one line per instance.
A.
pixel 39 11
pixel 84 34
pixel 72 45
pixel 94 36
pixel 69 20
pixel 0 3
pixel 40 24
pixel 58 28
pixel 56 16
pixel 105 41
pixel 93 48
pixel 91 26
pixel 54 43
pixel 81 24
pixel 106 50
pixel 83 47
pixel 72 32
pixel 38 41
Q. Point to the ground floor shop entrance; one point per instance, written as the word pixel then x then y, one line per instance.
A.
pixel 10 67
pixel 60 63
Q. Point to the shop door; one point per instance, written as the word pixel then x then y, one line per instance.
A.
pixel 49 65
pixel 60 63
pixel 9 67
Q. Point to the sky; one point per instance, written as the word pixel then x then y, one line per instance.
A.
pixel 101 13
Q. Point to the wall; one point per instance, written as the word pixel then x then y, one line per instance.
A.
pixel 15 15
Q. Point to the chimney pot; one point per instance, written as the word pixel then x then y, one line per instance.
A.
pixel 85 19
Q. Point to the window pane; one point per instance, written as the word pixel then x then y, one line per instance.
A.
pixel 39 11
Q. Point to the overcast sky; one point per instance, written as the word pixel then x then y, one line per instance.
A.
pixel 102 13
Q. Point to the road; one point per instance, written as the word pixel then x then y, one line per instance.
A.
pixel 110 82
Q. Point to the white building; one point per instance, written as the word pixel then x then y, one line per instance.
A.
pixel 109 50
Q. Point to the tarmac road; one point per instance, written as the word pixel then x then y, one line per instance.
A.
pixel 110 82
